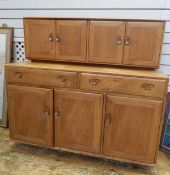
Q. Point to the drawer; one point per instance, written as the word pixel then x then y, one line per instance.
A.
pixel 123 85
pixel 42 77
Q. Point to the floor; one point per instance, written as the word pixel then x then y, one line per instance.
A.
pixel 21 159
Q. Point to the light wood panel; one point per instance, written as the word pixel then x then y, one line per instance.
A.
pixel 143 43
pixel 106 41
pixel 123 85
pixel 155 74
pixel 78 120
pixel 39 38
pixel 30 112
pixel 132 128
pixel 38 77
pixel 71 40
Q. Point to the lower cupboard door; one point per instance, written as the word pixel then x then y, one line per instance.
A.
pixel 131 128
pixel 78 120
pixel 30 112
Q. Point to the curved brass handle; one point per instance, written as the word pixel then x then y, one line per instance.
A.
pixel 108 119
pixel 94 82
pixel 50 38
pixel 147 86
pixel 118 41
pixel 57 39
pixel 56 114
pixel 61 78
pixel 127 41
pixel 46 112
pixel 18 75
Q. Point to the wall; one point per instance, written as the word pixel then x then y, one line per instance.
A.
pixel 12 12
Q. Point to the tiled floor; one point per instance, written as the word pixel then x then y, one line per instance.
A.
pixel 20 159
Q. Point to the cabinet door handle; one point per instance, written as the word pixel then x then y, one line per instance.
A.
pixel 56 114
pixel 147 86
pixel 94 82
pixel 18 75
pixel 57 39
pixel 61 78
pixel 127 41
pixel 50 38
pixel 46 112
pixel 108 119
pixel 118 41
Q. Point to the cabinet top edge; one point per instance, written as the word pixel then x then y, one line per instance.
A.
pixel 98 69
pixel 100 19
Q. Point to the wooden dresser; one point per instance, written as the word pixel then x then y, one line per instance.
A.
pixel 102 111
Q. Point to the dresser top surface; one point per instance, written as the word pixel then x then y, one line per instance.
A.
pixel 92 69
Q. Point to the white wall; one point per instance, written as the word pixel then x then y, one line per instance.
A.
pixel 12 12
pixel 34 4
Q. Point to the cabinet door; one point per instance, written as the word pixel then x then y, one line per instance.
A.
pixel 143 43
pixel 132 128
pixel 78 119
pixel 39 38
pixel 71 36
pixel 30 113
pixel 106 41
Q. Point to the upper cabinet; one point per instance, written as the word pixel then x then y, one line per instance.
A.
pixel 106 42
pixel 71 36
pixel 143 43
pixel 56 39
pixel 39 39
pixel 128 43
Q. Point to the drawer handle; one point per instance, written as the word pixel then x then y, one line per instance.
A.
pixel 61 78
pixel 108 119
pixel 94 82
pixel 18 75
pixel 147 86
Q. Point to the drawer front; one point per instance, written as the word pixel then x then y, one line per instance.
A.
pixel 42 77
pixel 123 85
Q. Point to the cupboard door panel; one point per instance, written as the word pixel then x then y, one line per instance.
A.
pixel 71 36
pixel 30 113
pixel 39 38
pixel 78 119
pixel 106 41
pixel 132 128
pixel 143 43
